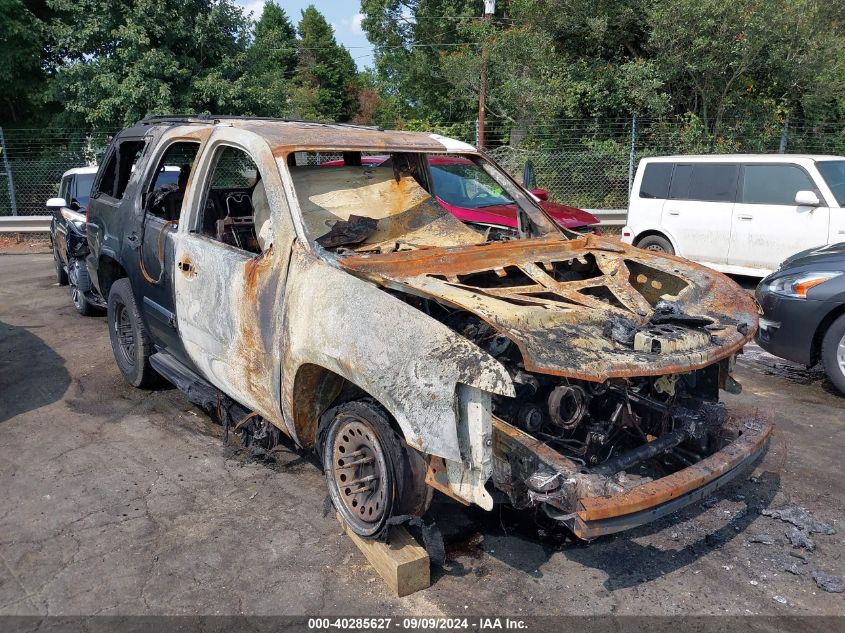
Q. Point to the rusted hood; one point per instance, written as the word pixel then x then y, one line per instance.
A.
pixel 682 316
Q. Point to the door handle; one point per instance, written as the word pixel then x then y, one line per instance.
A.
pixel 186 266
pixel 674 213
pixel 745 217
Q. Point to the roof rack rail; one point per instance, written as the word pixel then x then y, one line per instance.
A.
pixel 211 118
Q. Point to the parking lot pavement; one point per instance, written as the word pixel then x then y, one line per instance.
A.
pixel 123 501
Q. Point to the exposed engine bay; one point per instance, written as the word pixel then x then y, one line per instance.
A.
pixel 617 357
pixel 598 424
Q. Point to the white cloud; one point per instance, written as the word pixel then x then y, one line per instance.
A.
pixel 254 6
pixel 355 26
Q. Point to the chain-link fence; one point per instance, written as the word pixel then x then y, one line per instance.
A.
pixel 32 163
pixel 581 162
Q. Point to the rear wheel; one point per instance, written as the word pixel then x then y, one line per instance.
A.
pixel 657 244
pixel 833 353
pixel 61 275
pixel 130 341
pixel 370 472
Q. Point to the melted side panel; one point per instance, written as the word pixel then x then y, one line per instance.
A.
pixel 408 361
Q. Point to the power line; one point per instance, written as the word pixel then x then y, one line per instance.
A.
pixel 402 46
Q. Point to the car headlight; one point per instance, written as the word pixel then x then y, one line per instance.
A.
pixel 798 285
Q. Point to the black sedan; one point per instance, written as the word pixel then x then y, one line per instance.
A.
pixel 803 306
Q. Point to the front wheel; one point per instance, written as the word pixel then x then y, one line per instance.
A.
pixel 130 341
pixel 833 353
pixel 61 274
pixel 78 278
pixel 656 244
pixel 371 473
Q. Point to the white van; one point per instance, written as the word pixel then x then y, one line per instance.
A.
pixel 739 214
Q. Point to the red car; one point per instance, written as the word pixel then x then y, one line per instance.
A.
pixel 471 195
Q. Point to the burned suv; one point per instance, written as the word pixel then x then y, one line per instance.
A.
pixel 343 307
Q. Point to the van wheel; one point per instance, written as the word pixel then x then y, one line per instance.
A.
pixel 833 353
pixel 368 468
pixel 130 342
pixel 656 243
pixel 61 275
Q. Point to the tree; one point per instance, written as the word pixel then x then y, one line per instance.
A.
pixel 325 80
pixel 271 62
pixel 22 79
pixel 577 58
pixel 140 58
pixel 411 39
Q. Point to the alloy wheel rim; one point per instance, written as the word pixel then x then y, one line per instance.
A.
pixel 125 333
pixel 359 471
pixel 75 295
pixel 840 355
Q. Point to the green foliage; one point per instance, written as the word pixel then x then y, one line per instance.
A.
pixel 271 62
pixel 22 38
pixel 107 63
pixel 325 82
pixel 702 75
pixel 718 69
pixel 147 57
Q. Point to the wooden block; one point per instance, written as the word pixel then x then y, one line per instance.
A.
pixel 402 563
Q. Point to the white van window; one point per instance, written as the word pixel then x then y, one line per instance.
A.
pixel 713 183
pixel 833 172
pixel 679 189
pixel 707 182
pixel 656 180
pixel 774 184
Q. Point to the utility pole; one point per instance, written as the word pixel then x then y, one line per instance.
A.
pixel 489 10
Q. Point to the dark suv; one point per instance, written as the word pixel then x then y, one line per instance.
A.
pixel 67 235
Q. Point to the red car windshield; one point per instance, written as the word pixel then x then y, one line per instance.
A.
pixel 467 185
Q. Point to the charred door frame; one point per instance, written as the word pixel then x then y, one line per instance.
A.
pixel 231 330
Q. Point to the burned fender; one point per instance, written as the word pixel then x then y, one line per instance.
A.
pixel 411 363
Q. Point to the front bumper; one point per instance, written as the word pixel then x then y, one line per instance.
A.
pixel 788 325
pixel 592 505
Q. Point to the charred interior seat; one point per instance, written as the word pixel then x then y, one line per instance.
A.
pixel 229 218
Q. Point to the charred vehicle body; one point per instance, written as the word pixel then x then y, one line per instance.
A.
pixel 343 307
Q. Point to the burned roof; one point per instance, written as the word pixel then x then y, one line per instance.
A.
pixel 285 135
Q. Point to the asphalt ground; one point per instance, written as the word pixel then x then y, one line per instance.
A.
pixel 121 501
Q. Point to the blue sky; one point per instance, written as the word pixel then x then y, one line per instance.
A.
pixel 344 16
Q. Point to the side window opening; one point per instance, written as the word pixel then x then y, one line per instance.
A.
pixel 64 189
pixel 118 168
pixel 82 186
pixel 235 210
pixel 168 183
pixel 128 154
pixel 106 183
